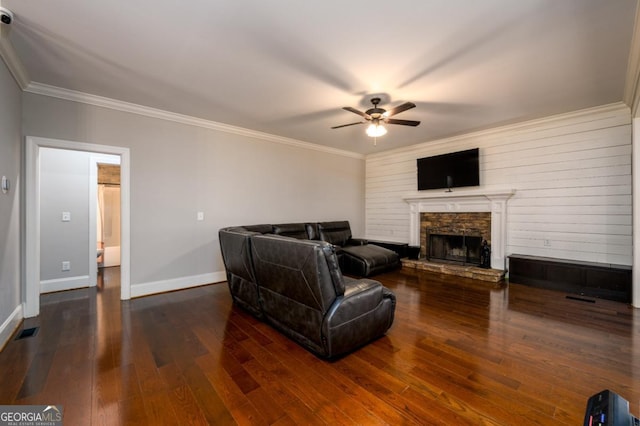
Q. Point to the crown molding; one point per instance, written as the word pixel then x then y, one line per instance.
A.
pixel 610 109
pixel 100 101
pixel 632 82
pixel 11 59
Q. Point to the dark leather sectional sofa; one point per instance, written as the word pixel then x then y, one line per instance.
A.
pixel 355 255
pixel 293 282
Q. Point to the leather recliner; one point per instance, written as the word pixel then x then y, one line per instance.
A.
pixel 303 293
pixel 356 255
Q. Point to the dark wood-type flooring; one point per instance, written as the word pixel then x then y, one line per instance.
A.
pixel 459 352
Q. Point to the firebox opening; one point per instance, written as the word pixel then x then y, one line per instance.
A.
pixel 455 248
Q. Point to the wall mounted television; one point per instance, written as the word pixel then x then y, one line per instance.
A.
pixel 452 170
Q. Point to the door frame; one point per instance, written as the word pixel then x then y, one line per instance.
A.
pixel 31 298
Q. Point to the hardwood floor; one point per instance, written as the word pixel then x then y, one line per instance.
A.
pixel 459 352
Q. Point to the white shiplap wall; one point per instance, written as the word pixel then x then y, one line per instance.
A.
pixel 571 173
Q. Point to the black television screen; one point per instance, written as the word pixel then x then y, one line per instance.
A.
pixel 452 170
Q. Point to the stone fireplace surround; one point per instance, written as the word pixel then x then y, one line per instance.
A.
pixel 439 226
pixel 493 201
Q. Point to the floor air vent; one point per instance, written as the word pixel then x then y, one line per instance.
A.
pixel 27 332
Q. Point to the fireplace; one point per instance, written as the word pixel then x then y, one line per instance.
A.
pixel 491 202
pixel 454 237
pixel 458 248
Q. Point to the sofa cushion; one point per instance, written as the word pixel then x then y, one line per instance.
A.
pixel 367 260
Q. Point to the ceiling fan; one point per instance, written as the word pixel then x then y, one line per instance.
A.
pixel 377 116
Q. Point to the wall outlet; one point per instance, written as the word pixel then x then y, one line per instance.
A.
pixel 66 266
pixel 66 216
pixel 547 243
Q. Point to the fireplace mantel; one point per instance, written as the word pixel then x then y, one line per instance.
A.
pixel 473 200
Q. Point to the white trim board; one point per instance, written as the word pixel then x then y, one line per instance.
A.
pixel 163 286
pixel 62 284
pixel 10 325
pixel 32 215
pixel 635 289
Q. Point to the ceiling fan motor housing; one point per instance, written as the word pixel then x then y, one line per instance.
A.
pixel 375 112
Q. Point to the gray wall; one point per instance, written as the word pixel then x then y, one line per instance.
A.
pixel 64 187
pixel 178 170
pixel 10 110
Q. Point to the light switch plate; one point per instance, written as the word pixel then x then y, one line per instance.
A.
pixel 200 216
pixel 66 216
pixel 5 185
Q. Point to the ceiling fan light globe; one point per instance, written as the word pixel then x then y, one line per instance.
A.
pixel 376 130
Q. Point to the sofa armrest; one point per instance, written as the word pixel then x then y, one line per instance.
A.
pixel 365 312
pixel 360 297
pixel 357 242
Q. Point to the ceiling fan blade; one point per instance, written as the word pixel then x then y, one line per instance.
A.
pixel 345 125
pixel 355 111
pixel 400 108
pixel 403 122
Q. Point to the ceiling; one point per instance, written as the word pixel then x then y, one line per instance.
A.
pixel 287 67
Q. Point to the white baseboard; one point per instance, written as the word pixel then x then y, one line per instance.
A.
pixel 10 325
pixel 146 289
pixel 60 284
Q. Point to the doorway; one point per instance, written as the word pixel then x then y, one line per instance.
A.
pixel 108 215
pixel 31 252
pixel 105 198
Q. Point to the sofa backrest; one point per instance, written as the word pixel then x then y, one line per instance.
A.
pixel 336 233
pixel 312 230
pixel 293 230
pixel 262 228
pixel 299 281
pixel 235 245
pixel 236 252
